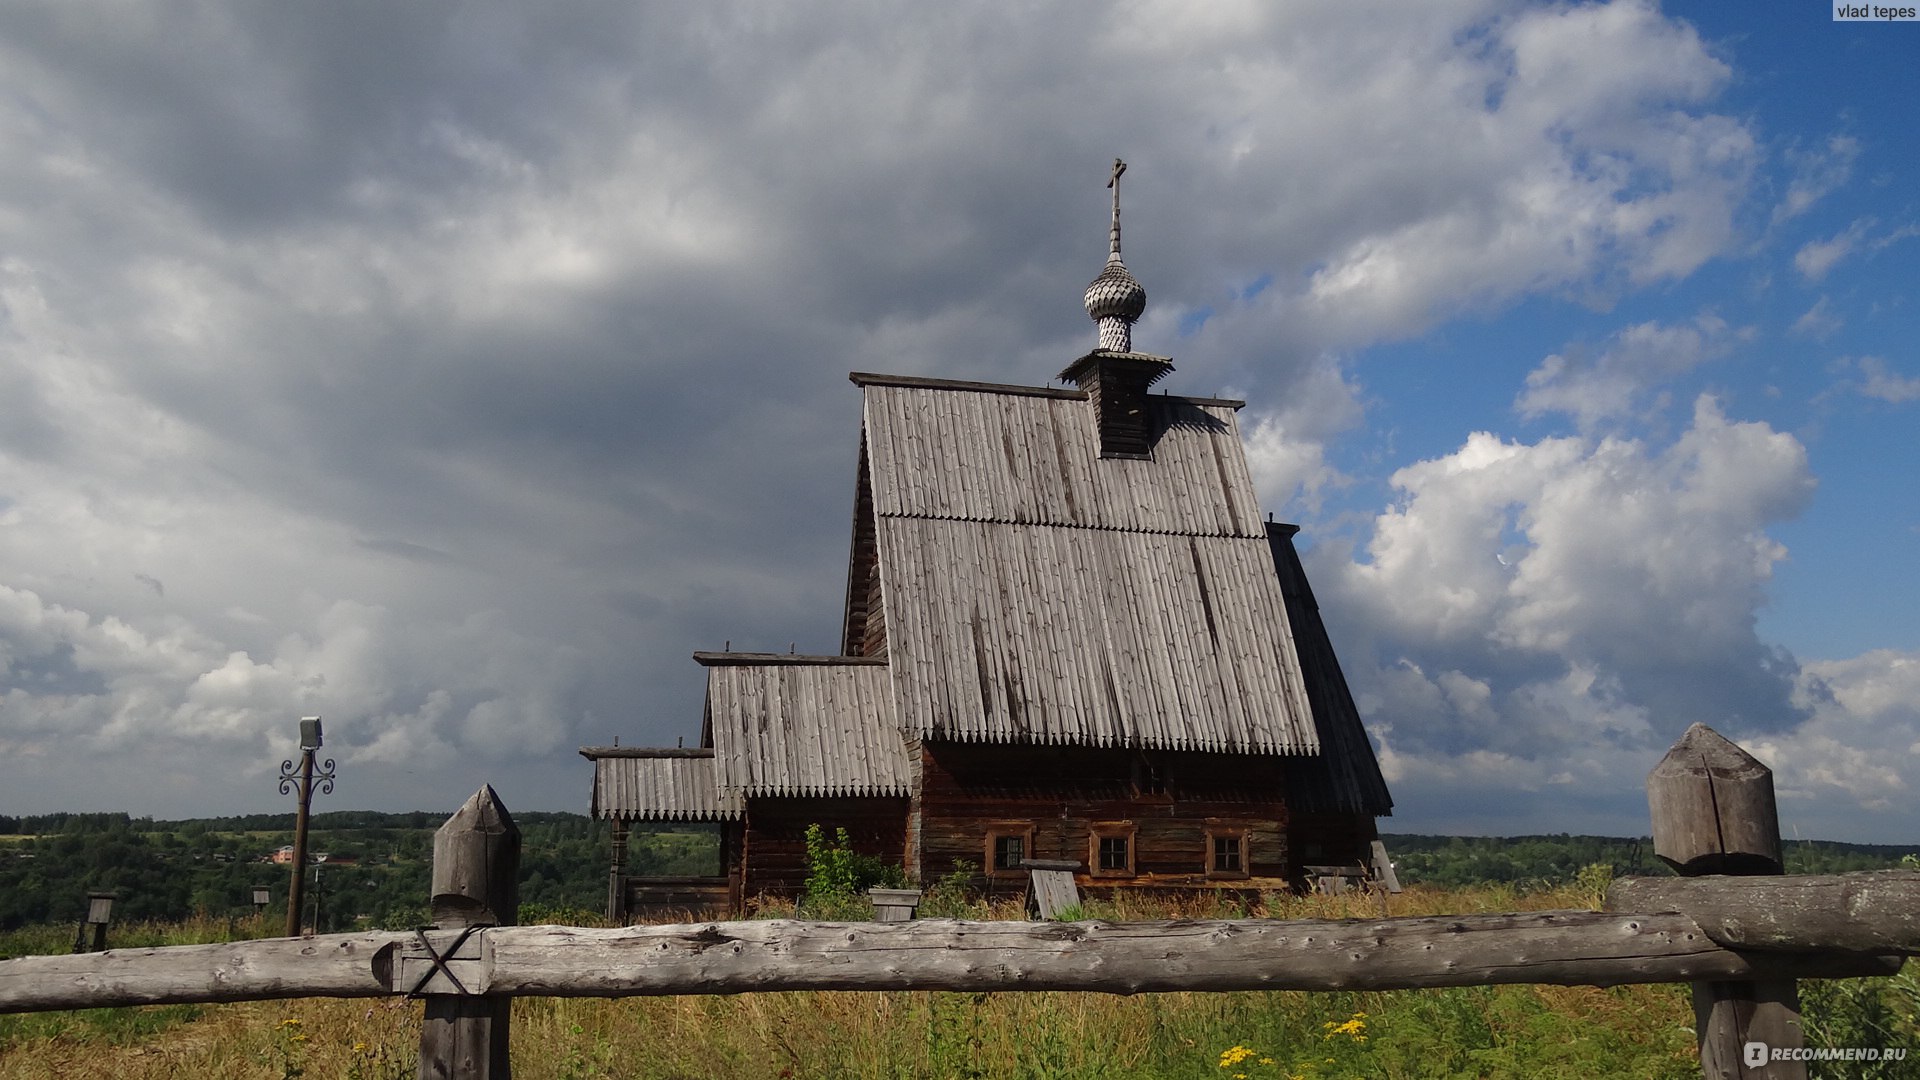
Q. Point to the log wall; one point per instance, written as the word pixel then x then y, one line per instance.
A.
pixel 1331 839
pixel 1068 794
pixel 773 855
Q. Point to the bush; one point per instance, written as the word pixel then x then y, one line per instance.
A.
pixel 950 897
pixel 838 877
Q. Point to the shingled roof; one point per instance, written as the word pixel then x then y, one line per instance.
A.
pixel 1036 591
pixel 802 725
pixel 648 784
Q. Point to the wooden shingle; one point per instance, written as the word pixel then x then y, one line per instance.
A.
pixel 803 726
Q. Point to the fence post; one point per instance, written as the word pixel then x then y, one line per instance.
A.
pixel 1713 813
pixel 476 882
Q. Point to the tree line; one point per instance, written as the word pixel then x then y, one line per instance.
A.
pixel 376 874
pixel 1556 859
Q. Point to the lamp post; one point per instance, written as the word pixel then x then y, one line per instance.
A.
pixel 300 781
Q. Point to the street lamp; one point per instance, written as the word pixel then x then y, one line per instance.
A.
pixel 300 781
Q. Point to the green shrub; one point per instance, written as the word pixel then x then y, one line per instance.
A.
pixel 838 877
pixel 951 897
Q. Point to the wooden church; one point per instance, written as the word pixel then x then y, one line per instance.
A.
pixel 1069 635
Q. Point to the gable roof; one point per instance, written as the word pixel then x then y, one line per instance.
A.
pixel 802 725
pixel 1037 591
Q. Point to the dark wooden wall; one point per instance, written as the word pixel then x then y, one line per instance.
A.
pixel 1170 799
pixel 1332 839
pixel 773 851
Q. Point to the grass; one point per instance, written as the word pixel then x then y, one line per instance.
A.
pixel 1514 1031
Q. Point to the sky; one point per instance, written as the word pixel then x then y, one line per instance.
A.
pixel 454 372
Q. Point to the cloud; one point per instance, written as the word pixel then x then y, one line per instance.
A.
pixel 1880 382
pixel 1286 447
pixel 1817 257
pixel 1816 174
pixel 1817 321
pixel 1861 746
pixel 1569 606
pixel 1616 383
pixel 1577 200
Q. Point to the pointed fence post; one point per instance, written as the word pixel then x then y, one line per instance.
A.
pixel 1713 813
pixel 476 883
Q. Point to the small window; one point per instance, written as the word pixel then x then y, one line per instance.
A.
pixel 1226 850
pixel 1009 852
pixel 1112 849
pixel 1009 843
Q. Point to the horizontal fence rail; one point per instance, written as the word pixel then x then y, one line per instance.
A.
pixel 1556 947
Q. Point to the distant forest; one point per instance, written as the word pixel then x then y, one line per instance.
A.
pixel 1474 860
pixel 378 863
pixel 376 873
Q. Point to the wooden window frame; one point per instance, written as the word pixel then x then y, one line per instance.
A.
pixel 997 829
pixel 1229 830
pixel 1112 830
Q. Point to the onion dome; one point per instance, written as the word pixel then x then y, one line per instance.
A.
pixel 1115 300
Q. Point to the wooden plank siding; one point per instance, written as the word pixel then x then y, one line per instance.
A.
pixel 1068 793
pixel 773 857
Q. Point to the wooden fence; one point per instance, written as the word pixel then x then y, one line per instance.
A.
pixel 1731 926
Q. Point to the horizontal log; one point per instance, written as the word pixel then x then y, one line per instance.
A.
pixel 333 965
pixel 1559 947
pixel 1872 911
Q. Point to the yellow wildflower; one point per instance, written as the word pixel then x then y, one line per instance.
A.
pixel 1355 1028
pixel 1234 1055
